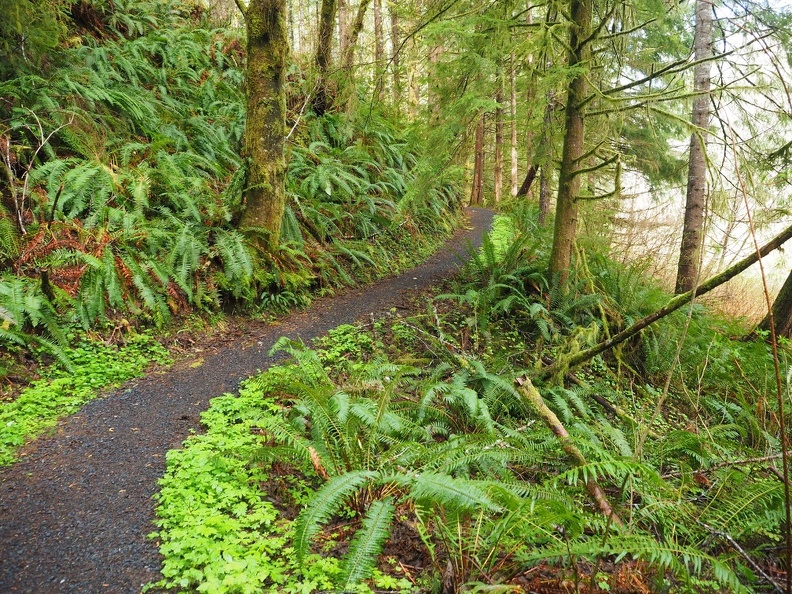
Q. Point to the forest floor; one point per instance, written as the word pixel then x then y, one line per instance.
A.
pixel 76 509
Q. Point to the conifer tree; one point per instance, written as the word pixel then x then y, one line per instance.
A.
pixel 693 230
pixel 566 219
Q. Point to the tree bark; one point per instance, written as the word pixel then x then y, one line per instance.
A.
pixel 782 311
pixel 476 195
pixel 693 228
pixel 379 50
pixel 566 219
pixel 673 304
pixel 528 181
pixel 544 196
pixel 324 48
pixel 395 40
pixel 343 26
pixel 513 115
pixel 354 34
pixel 265 127
pixel 499 140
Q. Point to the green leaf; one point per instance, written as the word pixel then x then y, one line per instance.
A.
pixel 368 541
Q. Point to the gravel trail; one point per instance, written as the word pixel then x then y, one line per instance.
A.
pixel 76 509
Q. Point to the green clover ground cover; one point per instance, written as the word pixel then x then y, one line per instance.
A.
pixel 217 529
pixel 95 366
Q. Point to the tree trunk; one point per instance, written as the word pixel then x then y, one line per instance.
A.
pixel 566 219
pixel 513 115
pixel 499 141
pixel 324 48
pixel 343 26
pixel 476 194
pixel 395 41
pixel 265 127
pixel 782 311
pixel 544 155
pixel 544 196
pixel 693 229
pixel 528 181
pixel 379 50
pixel 352 39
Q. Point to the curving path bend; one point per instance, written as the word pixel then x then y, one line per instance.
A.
pixel 75 511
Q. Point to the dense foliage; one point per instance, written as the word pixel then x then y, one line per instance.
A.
pixel 124 177
pixel 416 426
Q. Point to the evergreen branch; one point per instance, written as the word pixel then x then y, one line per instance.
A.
pixel 596 167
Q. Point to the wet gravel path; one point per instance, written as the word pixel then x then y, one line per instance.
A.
pixel 75 511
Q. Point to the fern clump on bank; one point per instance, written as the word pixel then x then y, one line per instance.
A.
pixel 125 180
pixel 124 186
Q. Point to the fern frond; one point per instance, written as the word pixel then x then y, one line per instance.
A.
pixel 321 507
pixel 367 543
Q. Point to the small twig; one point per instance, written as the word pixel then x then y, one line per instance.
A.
pixel 726 463
pixel 308 97
pixel 728 537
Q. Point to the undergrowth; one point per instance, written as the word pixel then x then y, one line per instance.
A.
pixel 410 438
pixel 93 366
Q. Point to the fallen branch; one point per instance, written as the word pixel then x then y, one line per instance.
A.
pixel 728 537
pixel 674 304
pixel 532 397
pixel 528 181
pixel 726 463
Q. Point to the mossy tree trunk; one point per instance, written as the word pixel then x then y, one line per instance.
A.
pixel 566 218
pixel 324 49
pixel 352 39
pixel 265 128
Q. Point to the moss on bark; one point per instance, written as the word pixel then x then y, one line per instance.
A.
pixel 265 129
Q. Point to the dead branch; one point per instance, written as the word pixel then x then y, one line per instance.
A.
pixel 673 304
pixel 532 397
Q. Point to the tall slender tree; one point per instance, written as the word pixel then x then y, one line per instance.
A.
pixel 265 127
pixel 477 190
pixel 379 49
pixel 695 201
pixel 566 219
pixel 395 44
pixel 499 138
